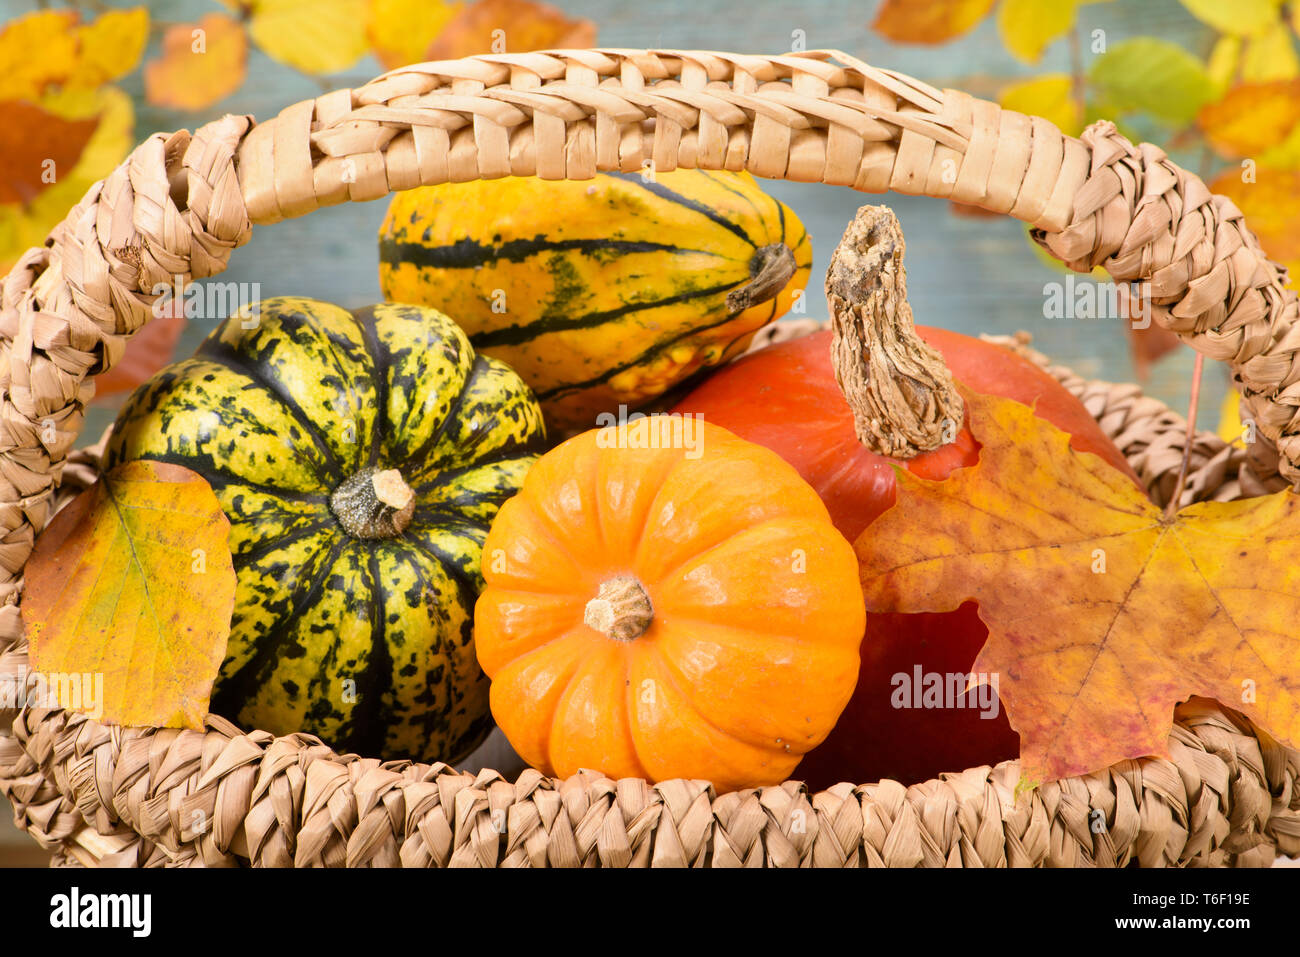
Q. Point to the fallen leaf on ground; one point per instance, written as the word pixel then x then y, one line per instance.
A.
pixel 1102 615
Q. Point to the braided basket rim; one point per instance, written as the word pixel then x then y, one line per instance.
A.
pixel 105 795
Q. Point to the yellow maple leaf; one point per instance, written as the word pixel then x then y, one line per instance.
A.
pixel 133 585
pixel 1102 614
pixel 315 36
pixel 401 31
pixel 201 63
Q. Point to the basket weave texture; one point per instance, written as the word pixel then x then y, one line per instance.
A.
pixel 180 204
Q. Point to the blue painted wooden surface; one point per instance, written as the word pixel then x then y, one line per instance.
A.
pixel 972 275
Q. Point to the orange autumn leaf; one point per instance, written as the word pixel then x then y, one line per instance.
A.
pixel 201 63
pixel 1251 118
pixel 133 581
pixel 147 351
pixel 1270 201
pixel 509 26
pixel 35 146
pixel 928 21
pixel 1102 615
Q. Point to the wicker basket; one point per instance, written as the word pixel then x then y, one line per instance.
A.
pixel 112 796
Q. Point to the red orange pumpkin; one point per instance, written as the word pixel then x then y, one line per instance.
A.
pixel 786 397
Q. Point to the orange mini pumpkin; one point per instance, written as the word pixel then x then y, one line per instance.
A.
pixel 667 612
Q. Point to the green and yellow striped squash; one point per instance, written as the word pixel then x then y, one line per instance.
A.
pixel 599 292
pixel 355 599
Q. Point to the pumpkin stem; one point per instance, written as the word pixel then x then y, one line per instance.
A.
pixel 902 395
pixel 770 268
pixel 374 503
pixel 621 609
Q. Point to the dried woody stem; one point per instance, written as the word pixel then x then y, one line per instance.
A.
pixel 1189 440
pixel 902 395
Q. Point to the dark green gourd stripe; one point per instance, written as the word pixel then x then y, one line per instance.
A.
pixel 479 367
pixel 371 716
pixel 650 353
pixel 470 253
pixel 222 353
pixel 722 182
pixel 518 335
pixel 235 689
pixel 663 192
pixel 379 361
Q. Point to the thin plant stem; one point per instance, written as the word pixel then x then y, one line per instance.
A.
pixel 1171 508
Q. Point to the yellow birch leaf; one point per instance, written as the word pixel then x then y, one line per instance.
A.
pixel 1144 611
pixel 401 31
pixel 1221 67
pixel 928 21
pixel 1047 96
pixel 133 583
pixel 1242 17
pixel 315 36
pixel 1270 56
pixel 201 63
pixel 111 47
pixel 35 51
pixel 1251 118
pixel 1028 26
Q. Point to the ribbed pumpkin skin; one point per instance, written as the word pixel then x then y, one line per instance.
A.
pixel 606 291
pixel 752 651
pixel 276 417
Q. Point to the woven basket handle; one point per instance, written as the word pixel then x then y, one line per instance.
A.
pixel 179 205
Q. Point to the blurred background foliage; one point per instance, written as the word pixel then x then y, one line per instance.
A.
pixel 1215 82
